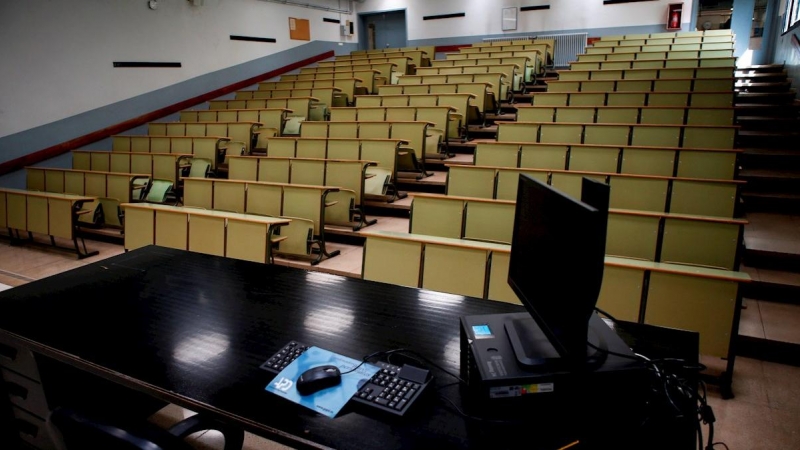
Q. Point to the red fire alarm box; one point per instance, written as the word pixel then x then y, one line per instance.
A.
pixel 674 16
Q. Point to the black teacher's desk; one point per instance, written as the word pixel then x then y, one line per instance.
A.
pixel 192 329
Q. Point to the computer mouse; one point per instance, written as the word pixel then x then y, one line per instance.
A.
pixel 318 378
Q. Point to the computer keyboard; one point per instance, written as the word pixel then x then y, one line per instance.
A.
pixel 393 389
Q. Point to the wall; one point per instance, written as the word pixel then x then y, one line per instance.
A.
pixel 57 55
pixel 483 18
pixel 741 24
pixel 788 53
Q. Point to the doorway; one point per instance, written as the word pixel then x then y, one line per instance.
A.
pixel 383 30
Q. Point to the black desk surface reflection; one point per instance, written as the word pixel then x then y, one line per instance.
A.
pixel 193 329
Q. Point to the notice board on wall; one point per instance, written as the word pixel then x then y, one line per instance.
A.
pixel 299 29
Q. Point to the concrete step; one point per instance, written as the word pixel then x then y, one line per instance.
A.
pixel 770 180
pixel 760 76
pixel 775 98
pixel 772 243
pixel 765 109
pixel 766 138
pixel 766 86
pixel 776 202
pixel 760 68
pixel 771 283
pixel 767 158
pixel 787 124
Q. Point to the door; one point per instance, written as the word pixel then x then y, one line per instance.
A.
pixel 383 30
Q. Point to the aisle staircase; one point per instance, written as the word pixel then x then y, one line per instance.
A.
pixel 769 116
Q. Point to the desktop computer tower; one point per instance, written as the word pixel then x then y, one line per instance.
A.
pixel 605 395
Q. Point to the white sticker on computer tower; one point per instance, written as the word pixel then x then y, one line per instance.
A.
pixel 519 391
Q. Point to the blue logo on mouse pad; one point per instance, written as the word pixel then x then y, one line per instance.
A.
pixel 327 401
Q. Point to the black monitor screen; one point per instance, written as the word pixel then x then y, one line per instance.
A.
pixel 557 255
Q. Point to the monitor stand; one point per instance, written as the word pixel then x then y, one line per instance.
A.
pixel 534 351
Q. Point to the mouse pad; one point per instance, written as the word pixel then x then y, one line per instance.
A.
pixel 328 401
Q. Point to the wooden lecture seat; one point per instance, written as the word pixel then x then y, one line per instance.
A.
pixel 695 196
pixel 304 107
pixel 319 99
pixel 596 63
pixel 666 135
pixel 411 159
pixel 370 78
pixel 658 85
pixel 445 119
pixel 48 213
pixel 347 86
pixel 461 104
pixel 213 148
pixel 658 237
pixel 512 73
pixel 348 175
pixel 385 70
pixel 645 74
pixel 678 295
pixel 707 163
pixel 247 237
pixel 304 205
pixel 483 102
pixel 272 120
pixel 646 115
pixel 162 166
pixel 646 98
pixel 380 178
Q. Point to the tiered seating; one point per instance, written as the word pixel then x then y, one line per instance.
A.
pixel 233 235
pixel 160 166
pixel 420 136
pixel 244 133
pixel 660 134
pixel 320 99
pixel 712 197
pixel 212 148
pixel 445 119
pixel 347 87
pixel 51 214
pixel 546 46
pixel 644 74
pixel 705 163
pixel 538 56
pixel 483 102
pixel 462 104
pixel 349 175
pixel 368 78
pixel 303 205
pixel 403 65
pixel 419 56
pixel 652 115
pixel 380 179
pixel 386 71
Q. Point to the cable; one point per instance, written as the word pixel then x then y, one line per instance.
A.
pixel 613 319
pixel 672 385
pixel 409 353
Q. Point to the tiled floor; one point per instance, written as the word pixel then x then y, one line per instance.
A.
pixel 765 413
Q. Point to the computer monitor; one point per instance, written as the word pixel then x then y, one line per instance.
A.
pixel 556 269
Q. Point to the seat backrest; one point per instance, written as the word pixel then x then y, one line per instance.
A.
pixel 111 211
pixel 200 168
pixel 158 191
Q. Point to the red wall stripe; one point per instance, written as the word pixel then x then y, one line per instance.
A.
pixel 450 48
pixel 64 147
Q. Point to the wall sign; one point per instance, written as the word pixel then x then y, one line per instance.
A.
pixel 509 19
pixel 299 29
